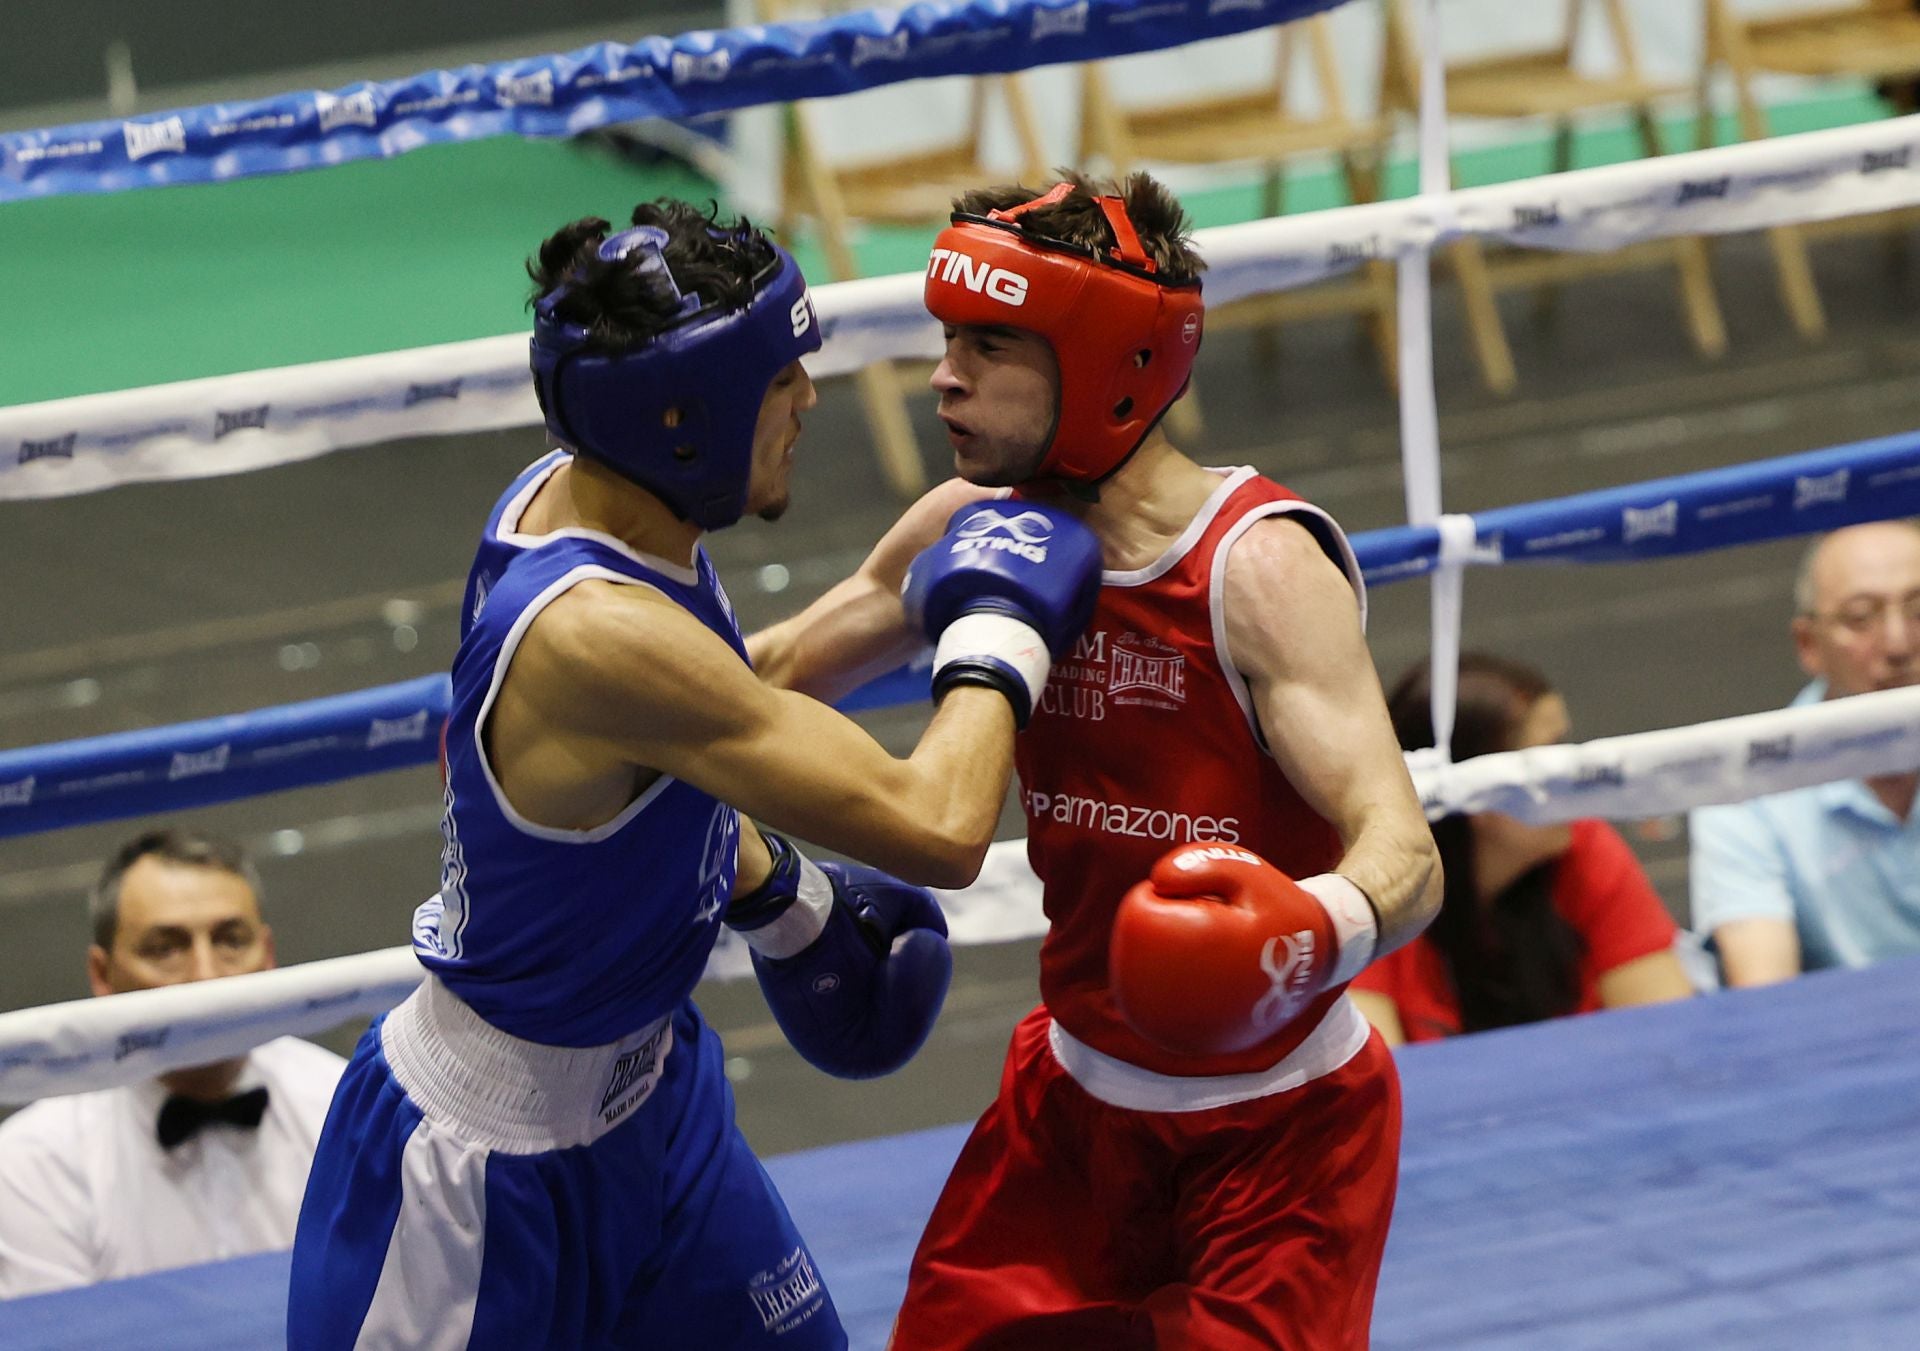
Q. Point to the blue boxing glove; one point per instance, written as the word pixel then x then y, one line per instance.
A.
pixel 853 963
pixel 1006 590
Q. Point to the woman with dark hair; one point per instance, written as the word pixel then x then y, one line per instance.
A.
pixel 1538 921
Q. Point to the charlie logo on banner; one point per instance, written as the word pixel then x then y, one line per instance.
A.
pixel 1068 19
pixel 357 109
pixel 155 138
pixel 536 88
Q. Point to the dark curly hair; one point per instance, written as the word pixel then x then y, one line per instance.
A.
pixel 619 306
pixel 1159 219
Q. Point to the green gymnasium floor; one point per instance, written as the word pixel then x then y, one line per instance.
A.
pixel 138 288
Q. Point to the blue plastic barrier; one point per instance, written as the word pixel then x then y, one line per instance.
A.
pixel 566 94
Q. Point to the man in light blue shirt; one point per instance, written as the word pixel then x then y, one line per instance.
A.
pixel 1828 875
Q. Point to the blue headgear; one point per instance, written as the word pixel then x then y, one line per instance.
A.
pixel 712 365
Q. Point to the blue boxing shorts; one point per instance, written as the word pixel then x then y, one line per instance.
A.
pixel 475 1190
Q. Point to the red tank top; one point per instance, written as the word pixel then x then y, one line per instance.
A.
pixel 1145 739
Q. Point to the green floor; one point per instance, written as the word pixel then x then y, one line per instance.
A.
pixel 136 288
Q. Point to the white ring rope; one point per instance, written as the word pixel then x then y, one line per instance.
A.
pixel 277 416
pixel 120 1039
pixel 98 1043
pixel 259 418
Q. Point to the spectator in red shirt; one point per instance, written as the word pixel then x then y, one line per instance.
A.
pixel 1538 921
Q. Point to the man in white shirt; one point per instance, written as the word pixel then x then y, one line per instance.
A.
pixel 201 1164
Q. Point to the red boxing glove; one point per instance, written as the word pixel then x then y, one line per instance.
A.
pixel 1218 949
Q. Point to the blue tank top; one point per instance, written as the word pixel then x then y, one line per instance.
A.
pixel 568 937
pixel 502 540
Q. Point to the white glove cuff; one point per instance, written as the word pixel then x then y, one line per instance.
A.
pixel 1355 928
pixel 794 929
pixel 1011 642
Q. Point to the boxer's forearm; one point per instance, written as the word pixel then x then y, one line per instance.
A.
pixel 853 634
pixel 1399 870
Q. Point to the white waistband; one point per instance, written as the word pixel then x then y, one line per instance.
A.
pixel 511 1095
pixel 1338 1039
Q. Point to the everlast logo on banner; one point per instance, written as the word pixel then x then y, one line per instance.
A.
pixel 239 420
pixel 1879 161
pixel 1770 751
pixel 155 138
pixel 1820 489
pixel 1599 776
pixel 54 448
pixel 386 731
pixel 19 793
pixel 1536 217
pixel 444 389
pixel 148 1039
pixel 1346 252
pixel 187 764
pixel 1704 189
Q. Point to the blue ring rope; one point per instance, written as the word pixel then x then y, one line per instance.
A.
pixel 198 764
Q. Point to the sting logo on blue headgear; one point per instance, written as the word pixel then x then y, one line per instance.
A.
pixel 675 414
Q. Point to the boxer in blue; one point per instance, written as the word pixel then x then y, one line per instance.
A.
pixel 537 1148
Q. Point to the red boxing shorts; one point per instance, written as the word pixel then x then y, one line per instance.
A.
pixel 1069 1222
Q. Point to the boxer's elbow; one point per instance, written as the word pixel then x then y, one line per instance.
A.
pixel 945 849
pixel 951 859
pixel 1425 865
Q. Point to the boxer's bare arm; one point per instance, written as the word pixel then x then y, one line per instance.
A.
pixel 616 680
pixel 1293 631
pixel 858 629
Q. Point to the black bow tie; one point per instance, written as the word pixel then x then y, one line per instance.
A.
pixel 181 1118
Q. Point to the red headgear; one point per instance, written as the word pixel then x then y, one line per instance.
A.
pixel 1124 339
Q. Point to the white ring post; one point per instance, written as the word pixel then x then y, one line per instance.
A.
pixel 1448 600
pixel 1419 410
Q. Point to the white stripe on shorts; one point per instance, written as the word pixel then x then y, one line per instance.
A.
pixel 431 1277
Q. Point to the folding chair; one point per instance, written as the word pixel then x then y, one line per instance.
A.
pixel 1264 124
pixel 1546 83
pixel 912 187
pixel 1877 39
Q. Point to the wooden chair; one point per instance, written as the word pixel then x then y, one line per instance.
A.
pixel 907 188
pixel 1877 39
pixel 1546 83
pixel 1262 124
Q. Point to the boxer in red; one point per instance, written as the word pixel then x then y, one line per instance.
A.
pixel 1196 1139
